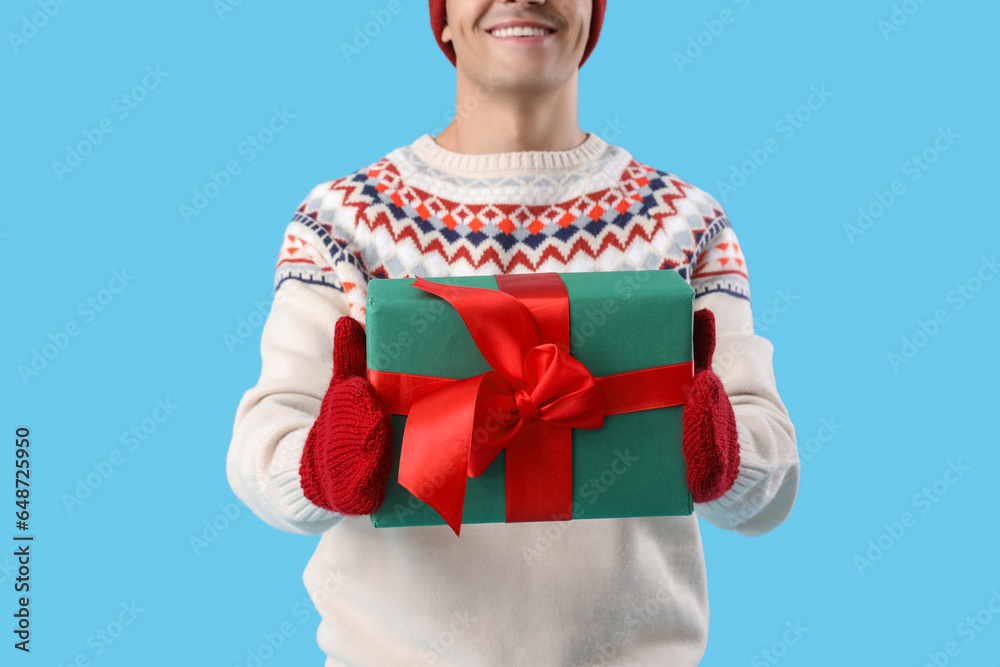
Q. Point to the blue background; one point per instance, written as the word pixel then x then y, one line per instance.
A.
pixel 162 337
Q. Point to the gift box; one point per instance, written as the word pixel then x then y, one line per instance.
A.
pixel 532 397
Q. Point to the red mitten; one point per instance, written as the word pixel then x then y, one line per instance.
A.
pixel 348 453
pixel 710 445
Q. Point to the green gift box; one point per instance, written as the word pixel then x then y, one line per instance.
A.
pixel 619 321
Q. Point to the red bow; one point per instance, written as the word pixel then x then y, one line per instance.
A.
pixel 456 430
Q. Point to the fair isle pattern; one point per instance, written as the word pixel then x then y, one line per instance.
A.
pixel 721 267
pixel 376 223
pixel 300 258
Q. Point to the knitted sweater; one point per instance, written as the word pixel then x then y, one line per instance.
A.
pixel 581 592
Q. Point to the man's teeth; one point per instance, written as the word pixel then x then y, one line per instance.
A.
pixel 519 32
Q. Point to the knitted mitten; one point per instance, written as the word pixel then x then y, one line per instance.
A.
pixel 710 446
pixel 348 453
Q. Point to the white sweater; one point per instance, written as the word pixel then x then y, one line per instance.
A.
pixel 583 592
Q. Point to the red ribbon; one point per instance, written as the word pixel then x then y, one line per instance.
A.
pixel 528 404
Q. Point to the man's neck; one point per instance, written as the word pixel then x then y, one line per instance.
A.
pixel 494 120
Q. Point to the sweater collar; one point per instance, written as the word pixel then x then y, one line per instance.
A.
pixel 435 155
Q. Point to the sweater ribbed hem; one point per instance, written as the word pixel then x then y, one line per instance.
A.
pixel 490 163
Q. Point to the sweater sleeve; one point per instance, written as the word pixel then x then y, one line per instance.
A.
pixel 767 484
pixel 317 280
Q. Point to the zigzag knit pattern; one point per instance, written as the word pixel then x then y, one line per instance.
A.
pixel 402 217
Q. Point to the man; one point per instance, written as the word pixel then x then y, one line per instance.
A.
pixel 513 186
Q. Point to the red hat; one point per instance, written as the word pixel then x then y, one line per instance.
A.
pixel 438 23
